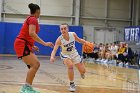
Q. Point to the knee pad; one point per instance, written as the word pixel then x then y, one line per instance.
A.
pixel 28 66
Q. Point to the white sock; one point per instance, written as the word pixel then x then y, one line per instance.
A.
pixel 27 84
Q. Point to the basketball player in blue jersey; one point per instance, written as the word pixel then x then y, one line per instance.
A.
pixel 69 54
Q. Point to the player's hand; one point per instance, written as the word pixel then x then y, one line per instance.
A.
pixel 50 44
pixel 35 48
pixel 52 59
pixel 86 42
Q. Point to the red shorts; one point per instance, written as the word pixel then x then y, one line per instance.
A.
pixel 22 48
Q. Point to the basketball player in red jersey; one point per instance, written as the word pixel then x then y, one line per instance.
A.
pixel 24 46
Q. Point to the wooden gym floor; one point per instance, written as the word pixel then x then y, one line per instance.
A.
pixel 52 78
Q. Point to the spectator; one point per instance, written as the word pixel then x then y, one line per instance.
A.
pixel 107 53
pixel 129 55
pixel 96 51
pixel 102 52
pixel 114 50
pixel 121 52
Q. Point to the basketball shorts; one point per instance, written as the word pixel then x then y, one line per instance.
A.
pixel 22 48
pixel 74 56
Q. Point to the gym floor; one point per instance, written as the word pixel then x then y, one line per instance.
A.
pixel 52 78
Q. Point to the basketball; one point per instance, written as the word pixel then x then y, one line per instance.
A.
pixel 88 47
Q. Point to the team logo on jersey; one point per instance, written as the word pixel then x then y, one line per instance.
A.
pixel 69 44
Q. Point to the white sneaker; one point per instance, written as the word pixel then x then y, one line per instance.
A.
pixel 121 64
pixel 126 65
pixel 72 88
pixel 102 61
pixel 105 61
pixel 110 62
pixel 98 60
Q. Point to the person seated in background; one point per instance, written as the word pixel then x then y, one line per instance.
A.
pixel 114 49
pixel 96 51
pixel 128 55
pixel 107 53
pixel 121 53
pixel 101 52
pixel 98 47
pixel 88 50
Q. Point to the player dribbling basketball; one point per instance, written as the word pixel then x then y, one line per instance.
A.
pixel 69 54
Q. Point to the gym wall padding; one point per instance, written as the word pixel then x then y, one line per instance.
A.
pixel 48 33
pixel 11 32
pixel 2 30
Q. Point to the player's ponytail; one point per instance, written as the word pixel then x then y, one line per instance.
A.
pixel 33 8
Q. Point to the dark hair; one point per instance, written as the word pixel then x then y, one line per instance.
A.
pixel 33 8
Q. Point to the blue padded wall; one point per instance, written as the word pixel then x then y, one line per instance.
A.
pixel 2 30
pixel 48 33
pixel 11 32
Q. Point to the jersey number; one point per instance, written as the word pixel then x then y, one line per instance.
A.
pixel 69 48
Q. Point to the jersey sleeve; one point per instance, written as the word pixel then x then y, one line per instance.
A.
pixel 32 21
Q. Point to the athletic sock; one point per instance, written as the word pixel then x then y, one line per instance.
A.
pixel 71 82
pixel 27 85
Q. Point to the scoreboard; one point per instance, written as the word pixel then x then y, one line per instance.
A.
pixel 132 33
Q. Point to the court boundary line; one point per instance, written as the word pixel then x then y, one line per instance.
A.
pixel 59 85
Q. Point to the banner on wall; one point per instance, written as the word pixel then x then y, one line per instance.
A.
pixel 132 33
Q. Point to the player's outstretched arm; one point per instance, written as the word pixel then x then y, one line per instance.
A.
pixel 32 33
pixel 79 39
pixel 57 44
